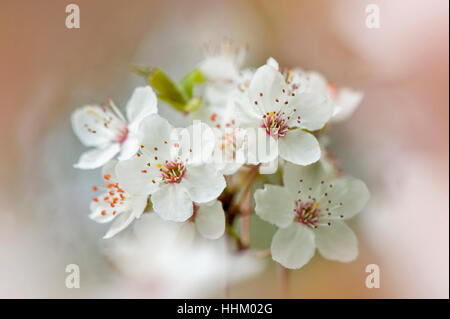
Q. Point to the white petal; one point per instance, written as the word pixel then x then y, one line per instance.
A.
pixel 203 183
pixel 129 148
pixel 317 83
pixel 293 246
pixel 299 147
pixel 270 83
pixel 197 143
pixel 97 157
pixel 85 123
pixel 230 168
pixel 143 102
pixel 246 113
pixel 337 242
pixel 210 220
pixel 275 204
pixel 346 198
pixel 273 63
pixel 303 179
pixel 138 204
pixel 110 169
pixel 131 176
pixel 219 68
pixel 101 206
pixel 314 110
pixel 172 202
pixel 260 147
pixel 346 103
pixel 158 138
pixel 121 222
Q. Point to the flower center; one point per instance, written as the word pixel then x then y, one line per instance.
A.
pixel 307 213
pixel 112 120
pixel 114 196
pixel 275 124
pixel 122 135
pixel 173 172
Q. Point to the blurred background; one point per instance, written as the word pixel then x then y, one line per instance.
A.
pixel 397 141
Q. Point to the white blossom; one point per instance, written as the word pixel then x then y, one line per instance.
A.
pixel 171 169
pixel 285 115
pixel 345 100
pixel 114 203
pixel 310 211
pixel 107 130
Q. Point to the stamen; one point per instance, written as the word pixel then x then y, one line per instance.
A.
pixel 173 172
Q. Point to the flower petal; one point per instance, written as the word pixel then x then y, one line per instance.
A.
pixel 210 220
pixel 293 246
pixel 260 147
pixel 89 129
pixel 143 102
pixel 97 157
pixel 197 143
pixel 121 222
pixel 138 204
pixel 172 202
pixel 299 147
pixel 346 103
pixel 101 211
pixel 313 109
pixel 345 198
pixel 136 178
pixel 158 138
pixel 303 179
pixel 110 169
pixel 129 148
pixel 266 86
pixel 337 242
pixel 246 113
pixel 203 183
pixel 275 204
pixel 273 63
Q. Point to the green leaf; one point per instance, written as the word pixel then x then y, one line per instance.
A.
pixel 193 104
pixel 141 70
pixel 180 96
pixel 165 87
pixel 191 79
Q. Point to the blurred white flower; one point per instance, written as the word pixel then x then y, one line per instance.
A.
pixel 171 169
pixel 284 114
pixel 107 129
pixel 165 260
pixel 209 219
pixel 309 211
pixel 345 100
pixel 222 64
pixel 115 204
pixel 222 68
pixel 228 154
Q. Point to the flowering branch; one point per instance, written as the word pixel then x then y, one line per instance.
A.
pixel 245 118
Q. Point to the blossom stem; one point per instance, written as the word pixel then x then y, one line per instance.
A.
pixel 244 204
pixel 234 235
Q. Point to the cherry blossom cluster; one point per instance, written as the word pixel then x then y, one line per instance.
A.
pixel 255 142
